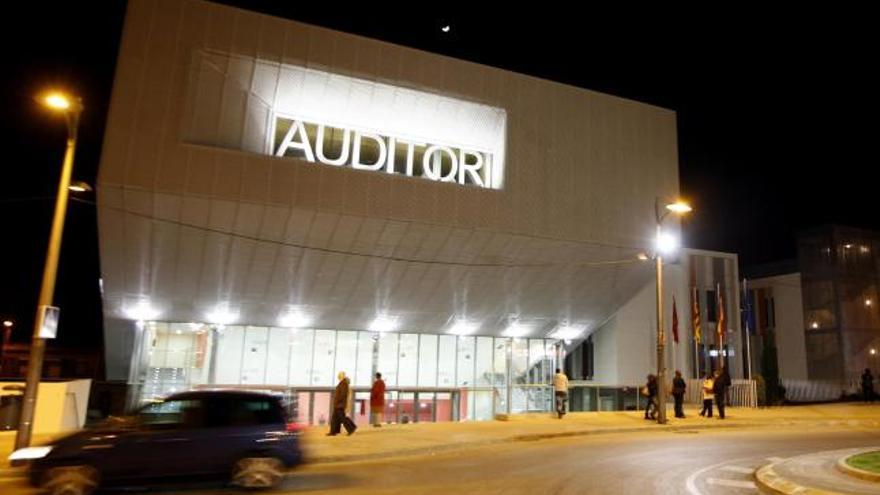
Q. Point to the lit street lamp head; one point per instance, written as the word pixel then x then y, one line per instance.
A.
pixel 61 102
pixel 57 101
pixel 666 243
pixel 79 186
pixel 679 207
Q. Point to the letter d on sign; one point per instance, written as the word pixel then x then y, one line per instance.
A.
pixel 356 152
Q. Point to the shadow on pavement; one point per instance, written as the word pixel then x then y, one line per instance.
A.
pixel 300 482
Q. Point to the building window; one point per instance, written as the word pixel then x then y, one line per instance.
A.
pixel 428 361
pixel 388 353
pixel 465 374
pixel 408 360
pixel 588 362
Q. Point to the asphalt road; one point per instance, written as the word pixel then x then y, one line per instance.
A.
pixel 693 462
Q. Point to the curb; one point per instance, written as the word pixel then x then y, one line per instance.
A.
pixel 11 475
pixel 845 468
pixel 329 459
pixel 769 480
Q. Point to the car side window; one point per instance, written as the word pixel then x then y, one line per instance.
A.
pixel 244 413
pixel 172 414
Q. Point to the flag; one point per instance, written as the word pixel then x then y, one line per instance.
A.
pixel 721 319
pixel 674 322
pixel 748 312
pixel 695 316
pixel 764 320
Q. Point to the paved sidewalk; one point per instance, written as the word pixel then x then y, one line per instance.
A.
pixel 426 438
pixel 814 474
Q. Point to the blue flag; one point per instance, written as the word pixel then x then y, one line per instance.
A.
pixel 748 313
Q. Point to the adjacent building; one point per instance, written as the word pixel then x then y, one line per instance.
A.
pixel 822 310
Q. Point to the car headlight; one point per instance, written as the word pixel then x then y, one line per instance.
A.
pixel 30 453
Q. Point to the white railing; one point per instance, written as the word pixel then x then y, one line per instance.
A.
pixel 742 393
pixel 816 390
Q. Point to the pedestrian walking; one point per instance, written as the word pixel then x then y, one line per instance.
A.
pixel 341 406
pixel 708 394
pixel 651 391
pixel 679 387
pixel 868 385
pixel 560 387
pixel 377 400
pixel 719 388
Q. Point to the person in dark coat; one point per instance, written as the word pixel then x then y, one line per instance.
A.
pixel 341 401
pixel 651 409
pixel 377 400
pixel 719 389
pixel 868 385
pixel 679 387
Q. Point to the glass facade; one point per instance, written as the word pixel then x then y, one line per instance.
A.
pixel 840 277
pixel 429 377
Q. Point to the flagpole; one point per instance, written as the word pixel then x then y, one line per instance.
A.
pixel 719 327
pixel 695 304
pixel 674 333
pixel 748 333
pixel 674 350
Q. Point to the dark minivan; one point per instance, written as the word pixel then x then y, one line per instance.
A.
pixel 193 435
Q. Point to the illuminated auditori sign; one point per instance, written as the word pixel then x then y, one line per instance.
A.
pixel 341 146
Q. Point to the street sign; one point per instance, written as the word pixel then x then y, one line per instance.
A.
pixel 49 321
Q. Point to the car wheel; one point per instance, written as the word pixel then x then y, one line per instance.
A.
pixel 258 472
pixel 70 480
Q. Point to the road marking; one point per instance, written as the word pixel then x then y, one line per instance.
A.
pixel 775 459
pixel 691 482
pixel 738 469
pixel 731 483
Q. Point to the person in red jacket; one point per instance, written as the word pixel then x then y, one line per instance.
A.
pixel 377 400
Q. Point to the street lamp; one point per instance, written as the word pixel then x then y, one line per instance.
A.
pixel 7 337
pixel 79 186
pixel 666 243
pixel 872 358
pixel 70 107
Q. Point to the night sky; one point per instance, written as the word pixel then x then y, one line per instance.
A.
pixel 776 114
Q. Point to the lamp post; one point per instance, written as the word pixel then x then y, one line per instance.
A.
pixel 665 244
pixel 7 337
pixel 70 107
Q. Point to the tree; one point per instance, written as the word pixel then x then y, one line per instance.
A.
pixel 774 392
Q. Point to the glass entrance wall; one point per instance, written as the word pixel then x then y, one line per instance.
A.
pixel 178 356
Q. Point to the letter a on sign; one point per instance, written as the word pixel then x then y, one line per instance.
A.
pixel 297 129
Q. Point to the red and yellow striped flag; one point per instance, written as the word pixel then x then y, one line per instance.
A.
pixel 695 316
